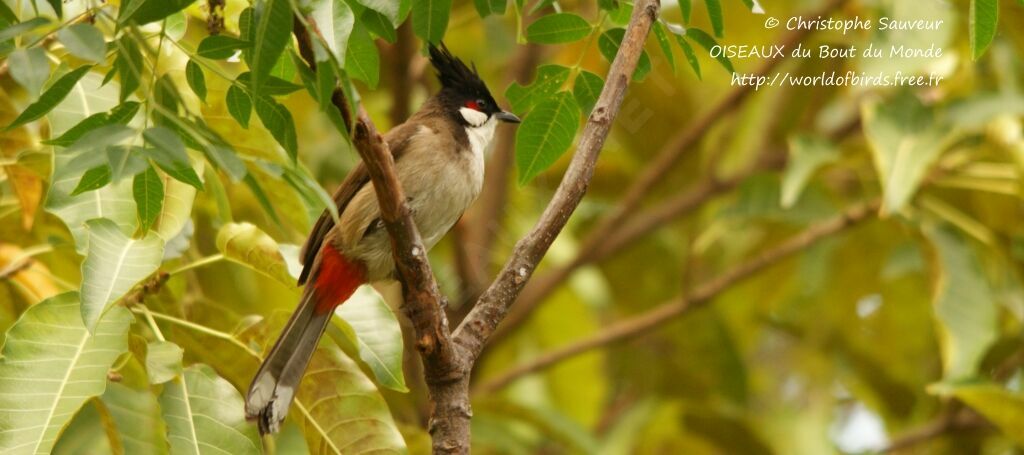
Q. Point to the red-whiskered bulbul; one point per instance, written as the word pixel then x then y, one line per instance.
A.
pixel 439 158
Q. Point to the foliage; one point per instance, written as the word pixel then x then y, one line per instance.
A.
pixel 150 227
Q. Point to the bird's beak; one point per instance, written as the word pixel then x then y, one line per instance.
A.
pixel 507 116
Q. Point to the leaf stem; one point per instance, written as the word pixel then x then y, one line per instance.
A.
pixel 199 328
pixel 204 261
pixel 152 322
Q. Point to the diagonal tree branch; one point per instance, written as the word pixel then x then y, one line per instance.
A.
pixel 655 171
pixel 644 323
pixel 484 219
pixel 492 306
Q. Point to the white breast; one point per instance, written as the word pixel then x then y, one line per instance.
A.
pixel 440 185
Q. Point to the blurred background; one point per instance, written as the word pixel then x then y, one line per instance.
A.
pixel 797 270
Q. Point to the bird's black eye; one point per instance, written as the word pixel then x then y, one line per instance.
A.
pixel 481 103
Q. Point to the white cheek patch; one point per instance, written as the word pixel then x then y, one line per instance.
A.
pixel 480 136
pixel 473 116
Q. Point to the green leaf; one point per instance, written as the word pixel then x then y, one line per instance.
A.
pixel 98 140
pixel 339 15
pixel 176 207
pixel 176 25
pixel 261 197
pixel 373 328
pixel 715 14
pixel 6 14
pixel 1000 406
pixel 247 32
pixel 30 68
pixel 169 153
pixel 239 105
pixel 754 6
pixel 163 361
pixel 136 416
pixel 965 307
pixel 362 61
pixel 388 8
pixel 686 6
pixel 379 25
pixel 558 28
pixel 326 81
pixel 284 69
pixel 57 6
pixel 51 366
pixel 586 89
pixel 709 43
pixel 22 27
pixel 146 11
pixel 549 80
pixel 196 79
pixel 246 244
pixel 148 189
pixel 120 115
pixel 272 33
pixel 50 98
pixel 488 7
pixel 353 418
pixel 430 19
pixel 84 41
pixel 905 141
pixel 665 44
pixel 984 21
pixel 124 162
pixel 204 414
pixel 609 42
pixel 338 409
pixel 545 134
pixel 114 201
pixel 807 154
pixel 691 56
pixel 113 265
pixel 279 122
pixel 128 65
pixel 620 15
pixel 93 179
pixel 272 86
pixel 220 47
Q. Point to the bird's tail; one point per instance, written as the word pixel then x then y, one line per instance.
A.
pixel 274 386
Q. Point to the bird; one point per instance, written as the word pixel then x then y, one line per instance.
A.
pixel 439 160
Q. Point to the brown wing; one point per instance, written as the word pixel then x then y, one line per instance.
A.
pixel 397 140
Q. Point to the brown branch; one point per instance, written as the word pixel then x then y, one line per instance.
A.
pixel 958 419
pixel 652 174
pixel 599 245
pixel 445 370
pixel 402 54
pixel 644 323
pixel 595 249
pixel 687 138
pixel 492 306
pixel 485 219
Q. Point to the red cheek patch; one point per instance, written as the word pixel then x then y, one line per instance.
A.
pixel 472 105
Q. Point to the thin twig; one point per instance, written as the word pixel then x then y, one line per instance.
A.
pixel 644 323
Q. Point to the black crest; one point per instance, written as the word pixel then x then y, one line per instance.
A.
pixel 454 74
